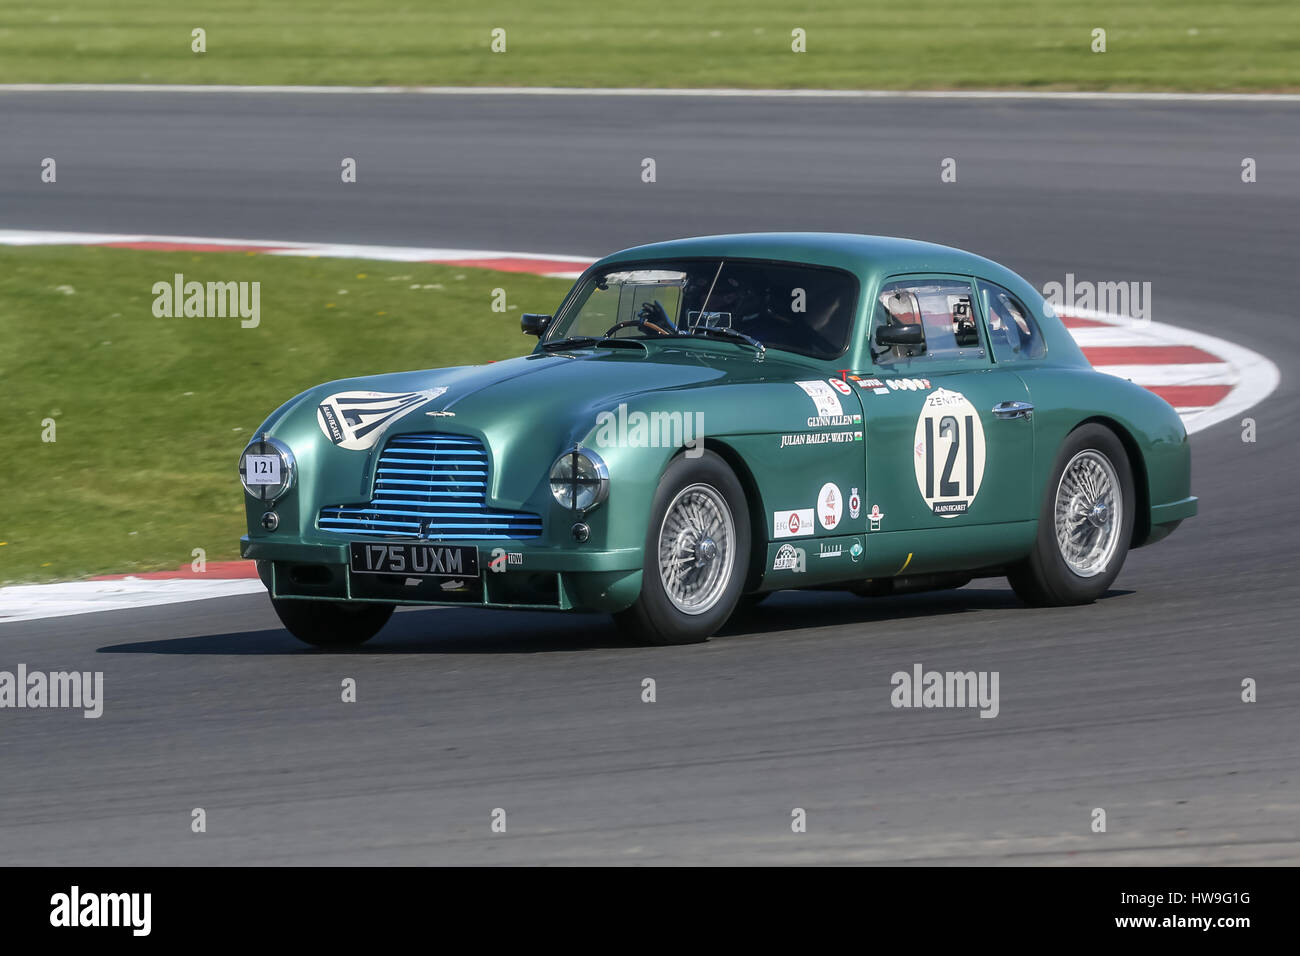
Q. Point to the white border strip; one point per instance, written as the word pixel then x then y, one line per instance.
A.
pixel 32 602
pixel 1257 377
pixel 1135 96
pixel 39 237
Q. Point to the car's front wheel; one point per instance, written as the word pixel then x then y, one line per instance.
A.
pixel 1085 525
pixel 696 554
pixel 332 623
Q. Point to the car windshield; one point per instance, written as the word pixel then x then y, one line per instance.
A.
pixel 798 308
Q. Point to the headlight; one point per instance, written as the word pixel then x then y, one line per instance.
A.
pixel 579 479
pixel 267 468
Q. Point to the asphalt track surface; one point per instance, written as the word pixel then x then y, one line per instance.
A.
pixel 1132 704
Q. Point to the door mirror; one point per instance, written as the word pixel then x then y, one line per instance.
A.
pixel 900 334
pixel 534 323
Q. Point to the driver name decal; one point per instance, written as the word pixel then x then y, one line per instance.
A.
pixel 949 453
pixel 356 420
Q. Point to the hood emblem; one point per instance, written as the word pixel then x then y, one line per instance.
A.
pixel 356 420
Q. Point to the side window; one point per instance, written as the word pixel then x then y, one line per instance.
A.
pixel 924 320
pixel 1013 333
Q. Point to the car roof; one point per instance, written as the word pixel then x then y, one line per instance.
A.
pixel 866 256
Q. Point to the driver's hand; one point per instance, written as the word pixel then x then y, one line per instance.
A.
pixel 654 312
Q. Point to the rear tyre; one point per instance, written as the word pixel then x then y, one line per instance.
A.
pixel 1085 526
pixel 332 623
pixel 696 554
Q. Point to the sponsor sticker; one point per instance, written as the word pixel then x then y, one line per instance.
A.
pixel 356 420
pixel 825 399
pixel 790 558
pixel 949 460
pixel 876 517
pixel 830 506
pixel 908 384
pixel 855 503
pixel 830 551
pixel 855 551
pixel 792 524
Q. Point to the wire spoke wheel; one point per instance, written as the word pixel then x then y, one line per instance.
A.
pixel 697 548
pixel 1089 513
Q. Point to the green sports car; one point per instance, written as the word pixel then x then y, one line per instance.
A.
pixel 706 421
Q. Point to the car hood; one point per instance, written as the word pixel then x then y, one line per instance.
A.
pixel 526 410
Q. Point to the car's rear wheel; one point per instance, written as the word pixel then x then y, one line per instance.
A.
pixel 332 623
pixel 696 553
pixel 1086 523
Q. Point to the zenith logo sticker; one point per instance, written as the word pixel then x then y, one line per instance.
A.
pixel 356 420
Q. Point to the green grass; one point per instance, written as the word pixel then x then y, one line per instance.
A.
pixel 924 44
pixel 151 413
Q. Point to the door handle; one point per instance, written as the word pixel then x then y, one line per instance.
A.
pixel 1013 410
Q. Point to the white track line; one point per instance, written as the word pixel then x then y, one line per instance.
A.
pixel 566 266
pixel 1206 373
pixel 647 91
pixel 30 602
pixel 39 237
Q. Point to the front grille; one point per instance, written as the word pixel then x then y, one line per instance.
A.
pixel 430 486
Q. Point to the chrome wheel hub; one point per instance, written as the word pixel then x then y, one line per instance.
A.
pixel 1088 513
pixel 696 548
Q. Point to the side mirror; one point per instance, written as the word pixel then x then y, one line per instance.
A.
pixel 900 334
pixel 534 323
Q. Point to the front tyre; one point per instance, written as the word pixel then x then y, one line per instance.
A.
pixel 696 554
pixel 1085 526
pixel 331 623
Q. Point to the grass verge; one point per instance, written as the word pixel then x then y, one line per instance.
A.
pixel 1204 45
pixel 150 414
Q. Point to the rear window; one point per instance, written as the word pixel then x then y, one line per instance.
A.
pixel 1013 333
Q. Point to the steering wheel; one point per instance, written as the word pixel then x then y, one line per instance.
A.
pixel 649 313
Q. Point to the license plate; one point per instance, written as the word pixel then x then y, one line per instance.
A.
pixel 416 560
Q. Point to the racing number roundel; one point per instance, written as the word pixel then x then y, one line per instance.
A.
pixel 949 453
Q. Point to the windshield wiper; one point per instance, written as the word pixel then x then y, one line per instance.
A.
pixel 575 342
pixel 733 334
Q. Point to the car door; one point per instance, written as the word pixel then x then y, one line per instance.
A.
pixel 949 434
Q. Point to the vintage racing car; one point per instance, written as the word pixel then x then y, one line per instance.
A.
pixel 705 421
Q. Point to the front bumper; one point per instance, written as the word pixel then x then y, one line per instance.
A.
pixel 1166 518
pixel 538 578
